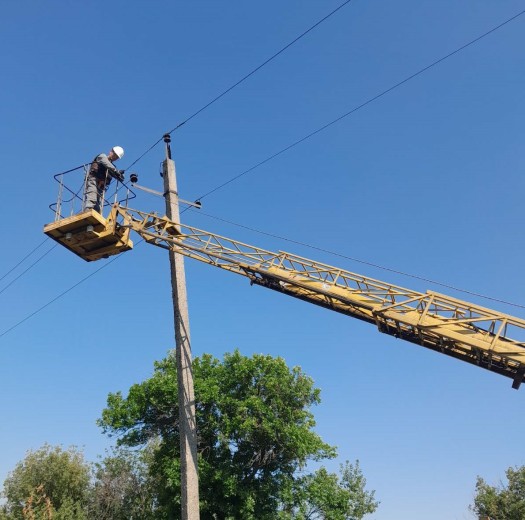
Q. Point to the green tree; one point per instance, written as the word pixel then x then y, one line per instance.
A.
pixel 504 501
pixel 49 483
pixel 327 496
pixel 255 431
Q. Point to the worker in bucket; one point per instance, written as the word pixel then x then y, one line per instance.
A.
pixel 99 177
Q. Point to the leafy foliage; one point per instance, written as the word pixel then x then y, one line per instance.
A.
pixel 502 502
pixel 48 483
pixel 52 484
pixel 255 437
pixel 327 496
pixel 255 430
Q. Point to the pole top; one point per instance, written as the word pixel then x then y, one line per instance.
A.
pixel 167 140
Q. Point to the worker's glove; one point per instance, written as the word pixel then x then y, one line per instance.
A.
pixel 119 175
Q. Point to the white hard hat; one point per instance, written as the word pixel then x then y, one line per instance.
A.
pixel 119 151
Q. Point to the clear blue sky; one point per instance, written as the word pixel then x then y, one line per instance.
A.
pixel 427 180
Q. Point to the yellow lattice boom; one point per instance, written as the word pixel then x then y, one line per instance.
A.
pixel 478 335
pixel 475 334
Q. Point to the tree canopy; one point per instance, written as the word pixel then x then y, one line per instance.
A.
pixel 49 483
pixel 255 432
pixel 255 437
pixel 326 496
pixel 505 501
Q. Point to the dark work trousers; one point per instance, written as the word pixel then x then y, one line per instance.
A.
pixel 94 193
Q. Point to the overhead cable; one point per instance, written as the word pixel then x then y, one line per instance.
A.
pixel 362 105
pixel 25 258
pixel 244 78
pixel 41 243
pixel 365 262
pixel 459 49
pixel 57 297
pixel 63 293
pixel 30 267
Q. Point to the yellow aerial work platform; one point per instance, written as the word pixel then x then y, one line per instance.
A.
pixel 90 235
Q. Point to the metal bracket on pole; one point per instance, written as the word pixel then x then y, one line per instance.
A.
pixel 197 204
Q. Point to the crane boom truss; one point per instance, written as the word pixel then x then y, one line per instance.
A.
pixel 469 332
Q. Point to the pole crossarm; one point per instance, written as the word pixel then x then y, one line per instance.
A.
pixel 480 336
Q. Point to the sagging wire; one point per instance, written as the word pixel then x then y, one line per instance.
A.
pixel 56 298
pixel 362 105
pixel 20 262
pixel 421 71
pixel 357 260
pixel 30 267
pixel 24 259
pixel 244 78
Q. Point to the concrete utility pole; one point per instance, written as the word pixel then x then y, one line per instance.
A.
pixel 187 422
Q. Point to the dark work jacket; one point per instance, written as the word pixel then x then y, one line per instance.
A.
pixel 103 170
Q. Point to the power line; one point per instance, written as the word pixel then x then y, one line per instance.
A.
pixel 145 153
pixel 364 262
pixel 25 258
pixel 261 65
pixel 459 49
pixel 75 195
pixel 63 293
pixel 30 267
pixel 39 245
pixel 244 78
pixel 362 105
pixel 57 297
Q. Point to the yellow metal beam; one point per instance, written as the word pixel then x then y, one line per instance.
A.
pixel 477 335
